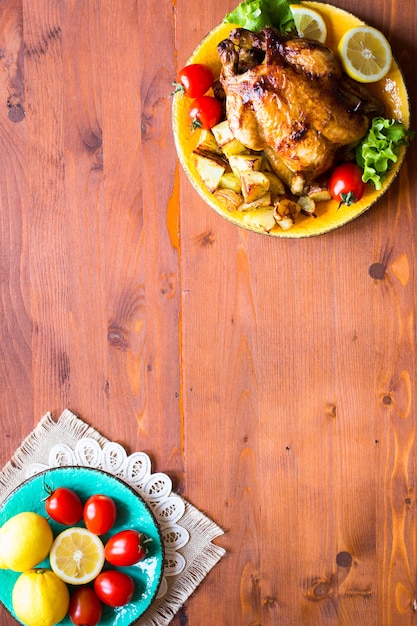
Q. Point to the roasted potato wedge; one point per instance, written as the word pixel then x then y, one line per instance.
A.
pixel 207 144
pixel 234 147
pixel 319 193
pixel 244 162
pixel 226 140
pixel 263 201
pixel 286 212
pixel 230 181
pixel 210 168
pixel 254 184
pixel 222 133
pixel 229 198
pixel 276 186
pixel 307 204
pixel 263 219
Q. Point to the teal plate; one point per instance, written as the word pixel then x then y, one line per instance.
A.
pixel 132 512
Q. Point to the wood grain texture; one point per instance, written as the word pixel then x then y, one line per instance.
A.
pixel 273 380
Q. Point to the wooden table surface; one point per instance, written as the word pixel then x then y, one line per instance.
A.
pixel 274 380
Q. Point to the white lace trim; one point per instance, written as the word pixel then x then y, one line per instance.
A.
pixel 135 470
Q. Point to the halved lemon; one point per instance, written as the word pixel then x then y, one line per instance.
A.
pixel 77 556
pixel 309 23
pixel 365 54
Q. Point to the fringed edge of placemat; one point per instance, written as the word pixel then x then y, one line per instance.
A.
pixel 78 428
pixel 26 449
pixel 39 435
pixel 196 571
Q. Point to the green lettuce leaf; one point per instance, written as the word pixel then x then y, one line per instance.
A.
pixel 256 14
pixel 380 147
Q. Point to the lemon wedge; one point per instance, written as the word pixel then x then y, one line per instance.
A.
pixel 77 556
pixel 309 23
pixel 365 54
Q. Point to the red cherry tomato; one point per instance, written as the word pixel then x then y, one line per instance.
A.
pixel 64 506
pixel 85 607
pixel 114 588
pixel 99 514
pixel 346 185
pixel 194 80
pixel 205 112
pixel 126 548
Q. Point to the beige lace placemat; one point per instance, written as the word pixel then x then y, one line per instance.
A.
pixel 187 533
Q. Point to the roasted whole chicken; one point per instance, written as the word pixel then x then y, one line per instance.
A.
pixel 288 97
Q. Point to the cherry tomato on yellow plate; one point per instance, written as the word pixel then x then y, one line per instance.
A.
pixel 346 185
pixel 194 80
pixel 205 112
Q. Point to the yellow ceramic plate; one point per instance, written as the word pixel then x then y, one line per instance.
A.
pixel 391 90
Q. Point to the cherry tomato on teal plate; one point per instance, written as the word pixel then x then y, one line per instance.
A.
pixel 85 607
pixel 100 513
pixel 114 588
pixel 64 506
pixel 126 548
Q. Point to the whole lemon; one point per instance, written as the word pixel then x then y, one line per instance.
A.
pixel 25 541
pixel 40 598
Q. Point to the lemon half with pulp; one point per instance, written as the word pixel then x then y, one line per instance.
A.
pixel 365 54
pixel 77 556
pixel 309 23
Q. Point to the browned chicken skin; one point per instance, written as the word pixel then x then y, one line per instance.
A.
pixel 290 98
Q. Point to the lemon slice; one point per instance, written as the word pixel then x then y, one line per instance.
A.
pixel 77 556
pixel 365 54
pixel 309 23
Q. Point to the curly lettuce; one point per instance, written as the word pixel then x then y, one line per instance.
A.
pixel 255 15
pixel 380 148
